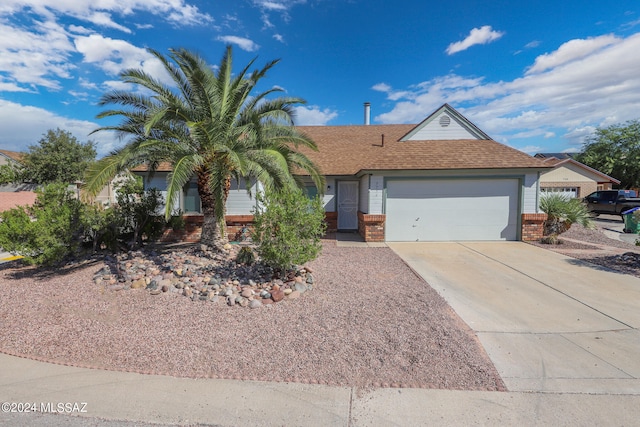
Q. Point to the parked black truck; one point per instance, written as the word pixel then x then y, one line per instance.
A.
pixel 612 202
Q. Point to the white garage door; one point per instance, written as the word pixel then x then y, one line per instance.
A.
pixel 452 210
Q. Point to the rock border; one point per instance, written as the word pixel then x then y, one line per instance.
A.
pixel 202 275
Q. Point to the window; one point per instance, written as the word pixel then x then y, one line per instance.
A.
pixel 311 191
pixel 191 198
pixel 568 191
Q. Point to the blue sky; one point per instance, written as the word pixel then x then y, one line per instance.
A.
pixel 538 76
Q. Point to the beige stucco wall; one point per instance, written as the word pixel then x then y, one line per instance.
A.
pixel 569 173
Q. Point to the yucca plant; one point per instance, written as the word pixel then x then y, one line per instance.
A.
pixel 562 212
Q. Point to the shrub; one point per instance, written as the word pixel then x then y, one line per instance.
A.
pixel 246 256
pixel 177 222
pixel 562 212
pixel 46 232
pixel 288 227
pixel 136 215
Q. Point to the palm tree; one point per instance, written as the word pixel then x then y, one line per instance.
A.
pixel 206 124
pixel 562 212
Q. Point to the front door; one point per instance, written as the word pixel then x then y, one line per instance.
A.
pixel 347 205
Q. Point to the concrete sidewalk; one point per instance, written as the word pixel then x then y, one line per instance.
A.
pixel 136 398
pixel 550 323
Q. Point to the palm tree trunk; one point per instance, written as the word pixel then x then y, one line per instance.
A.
pixel 213 233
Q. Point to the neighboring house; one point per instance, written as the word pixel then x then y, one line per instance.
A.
pixel 572 178
pixel 13 195
pixel 441 180
pixel 7 157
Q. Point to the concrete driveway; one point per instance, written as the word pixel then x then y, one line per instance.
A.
pixel 550 323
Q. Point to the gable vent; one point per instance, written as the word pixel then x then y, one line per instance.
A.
pixel 445 121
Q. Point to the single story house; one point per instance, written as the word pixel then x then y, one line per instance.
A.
pixel 572 178
pixel 443 179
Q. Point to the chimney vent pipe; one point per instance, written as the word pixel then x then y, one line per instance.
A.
pixel 367 113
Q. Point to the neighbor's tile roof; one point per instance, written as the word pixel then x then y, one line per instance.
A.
pixel 10 200
pixel 14 155
pixel 347 150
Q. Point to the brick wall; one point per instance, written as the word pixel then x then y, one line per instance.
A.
pixel 235 223
pixel 532 226
pixel 193 228
pixel 331 218
pixel 371 227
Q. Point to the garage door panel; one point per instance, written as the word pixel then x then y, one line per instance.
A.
pixel 450 210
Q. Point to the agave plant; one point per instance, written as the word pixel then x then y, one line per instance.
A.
pixel 562 212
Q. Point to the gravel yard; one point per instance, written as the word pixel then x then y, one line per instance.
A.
pixel 595 247
pixel 369 322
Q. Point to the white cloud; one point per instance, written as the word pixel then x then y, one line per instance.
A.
pixel 114 56
pixel 313 116
pixel 24 125
pixel 99 11
pixel 531 149
pixel 382 87
pixel 482 35
pixel 39 57
pixel 41 52
pixel 243 43
pixel 571 51
pixel 573 95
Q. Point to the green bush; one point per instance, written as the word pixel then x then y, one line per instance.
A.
pixel 288 227
pixel 46 232
pixel 136 215
pixel 562 212
pixel 58 224
pixel 245 256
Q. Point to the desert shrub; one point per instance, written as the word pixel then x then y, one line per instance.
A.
pixel 100 227
pixel 136 215
pixel 246 256
pixel 177 222
pixel 288 227
pixel 46 232
pixel 562 212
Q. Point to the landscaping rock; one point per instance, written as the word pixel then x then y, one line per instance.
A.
pixel 277 295
pixel 201 275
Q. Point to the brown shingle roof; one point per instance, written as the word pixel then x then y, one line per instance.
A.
pixel 13 155
pixel 347 150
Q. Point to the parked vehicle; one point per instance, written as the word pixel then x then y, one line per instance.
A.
pixel 612 202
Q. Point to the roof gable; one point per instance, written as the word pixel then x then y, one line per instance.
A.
pixel 10 156
pixel 445 124
pixel 580 168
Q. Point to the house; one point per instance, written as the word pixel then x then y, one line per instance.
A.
pixel 14 195
pixel 443 179
pixel 572 178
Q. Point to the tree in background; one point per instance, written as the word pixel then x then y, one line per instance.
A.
pixel 615 150
pixel 58 157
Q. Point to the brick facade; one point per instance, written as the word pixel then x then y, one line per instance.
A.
pixel 532 226
pixel 331 218
pixel 235 224
pixel 371 227
pixel 193 228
